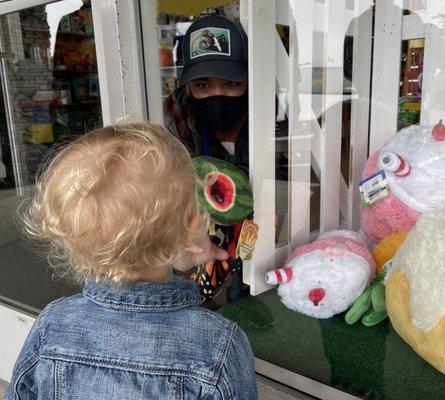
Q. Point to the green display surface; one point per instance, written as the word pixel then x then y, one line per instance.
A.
pixel 367 362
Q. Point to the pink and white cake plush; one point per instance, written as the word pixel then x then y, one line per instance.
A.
pixel 325 277
pixel 414 164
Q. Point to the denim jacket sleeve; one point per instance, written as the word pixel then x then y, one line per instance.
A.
pixel 237 380
pixel 23 384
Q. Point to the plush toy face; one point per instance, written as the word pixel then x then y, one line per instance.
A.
pixel 325 282
pixel 414 164
pixel 325 277
pixel 422 187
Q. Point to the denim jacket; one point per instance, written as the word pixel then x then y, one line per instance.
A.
pixel 144 341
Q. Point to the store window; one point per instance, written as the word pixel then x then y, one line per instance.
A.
pixel 357 77
pixel 49 95
pixel 330 83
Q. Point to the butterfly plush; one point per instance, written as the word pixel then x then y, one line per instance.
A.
pixel 213 274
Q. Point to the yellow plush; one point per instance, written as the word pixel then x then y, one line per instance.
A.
pixel 387 248
pixel 415 295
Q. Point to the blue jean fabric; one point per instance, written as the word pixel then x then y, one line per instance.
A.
pixel 144 341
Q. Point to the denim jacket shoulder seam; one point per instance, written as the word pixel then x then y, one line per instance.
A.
pixel 25 367
pixel 41 320
pixel 225 348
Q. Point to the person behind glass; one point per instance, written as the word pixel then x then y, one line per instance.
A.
pixel 131 334
pixel 209 110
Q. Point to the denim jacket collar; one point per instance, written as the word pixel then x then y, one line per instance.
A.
pixel 144 296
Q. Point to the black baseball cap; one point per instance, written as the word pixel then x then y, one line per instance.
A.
pixel 216 47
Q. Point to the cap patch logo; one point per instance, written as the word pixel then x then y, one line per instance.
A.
pixel 209 41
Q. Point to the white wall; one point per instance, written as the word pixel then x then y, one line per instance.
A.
pixel 14 329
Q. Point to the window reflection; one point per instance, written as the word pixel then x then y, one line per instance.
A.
pixel 49 95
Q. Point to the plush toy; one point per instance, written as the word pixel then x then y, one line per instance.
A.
pixel 226 194
pixel 414 165
pixel 415 294
pixel 387 248
pixel 325 277
pixel 370 307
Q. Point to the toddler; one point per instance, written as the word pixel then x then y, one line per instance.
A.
pixel 118 209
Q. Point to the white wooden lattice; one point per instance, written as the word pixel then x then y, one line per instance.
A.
pixel 317 32
pixel 311 144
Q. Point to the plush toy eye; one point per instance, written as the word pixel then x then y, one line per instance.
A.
pixel 395 163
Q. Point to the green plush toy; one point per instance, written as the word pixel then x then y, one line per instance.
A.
pixel 227 197
pixel 370 307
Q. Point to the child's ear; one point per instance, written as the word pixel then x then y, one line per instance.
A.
pixel 195 221
pixel 194 234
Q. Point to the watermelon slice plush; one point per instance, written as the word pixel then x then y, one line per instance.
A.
pixel 227 194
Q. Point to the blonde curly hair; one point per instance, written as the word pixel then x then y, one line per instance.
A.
pixel 114 202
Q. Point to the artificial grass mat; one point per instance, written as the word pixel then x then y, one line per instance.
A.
pixel 371 363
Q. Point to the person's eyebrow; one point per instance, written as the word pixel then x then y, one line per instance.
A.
pixel 201 80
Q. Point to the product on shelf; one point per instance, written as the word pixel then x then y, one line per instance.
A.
pixel 40 133
pixel 80 88
pixel 46 95
pixel 61 124
pixel 93 88
pixel 87 54
pixel 36 113
pixel 65 97
pixel 165 57
pixel 169 84
pixel 84 22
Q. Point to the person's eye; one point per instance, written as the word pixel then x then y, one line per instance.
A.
pixel 203 86
pixel 232 84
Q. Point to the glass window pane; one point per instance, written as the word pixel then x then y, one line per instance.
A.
pixel 208 111
pixel 49 96
pixel 376 68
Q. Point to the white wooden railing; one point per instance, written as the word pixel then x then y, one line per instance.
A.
pixel 318 145
pixel 310 144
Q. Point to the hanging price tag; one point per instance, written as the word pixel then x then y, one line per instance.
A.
pixel 373 189
pixel 247 239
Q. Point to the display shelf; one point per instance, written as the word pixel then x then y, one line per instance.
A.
pixel 76 34
pixel 30 28
pixel 74 68
pixel 78 104
pixel 55 104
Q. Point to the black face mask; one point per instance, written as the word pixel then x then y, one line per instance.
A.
pixel 220 113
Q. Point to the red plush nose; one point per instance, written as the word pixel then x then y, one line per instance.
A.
pixel 439 132
pixel 316 295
